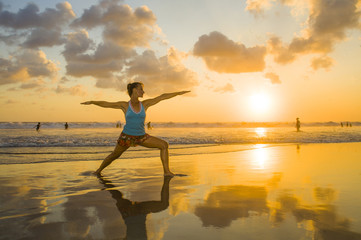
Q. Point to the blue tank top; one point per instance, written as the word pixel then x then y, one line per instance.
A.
pixel 134 122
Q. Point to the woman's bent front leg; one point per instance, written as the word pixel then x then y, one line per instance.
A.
pixel 153 142
pixel 117 152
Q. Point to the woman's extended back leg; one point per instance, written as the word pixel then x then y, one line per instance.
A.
pixel 117 152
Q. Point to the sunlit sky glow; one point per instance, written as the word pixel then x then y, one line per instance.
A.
pixel 254 60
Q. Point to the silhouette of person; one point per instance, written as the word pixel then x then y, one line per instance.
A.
pixel 66 125
pixel 135 213
pixel 149 126
pixel 38 126
pixel 341 124
pixel 298 124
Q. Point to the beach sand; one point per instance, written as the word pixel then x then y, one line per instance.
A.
pixel 309 191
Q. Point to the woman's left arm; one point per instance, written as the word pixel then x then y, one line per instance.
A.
pixel 150 102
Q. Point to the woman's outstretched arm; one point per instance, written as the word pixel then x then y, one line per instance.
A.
pixel 150 102
pixel 104 104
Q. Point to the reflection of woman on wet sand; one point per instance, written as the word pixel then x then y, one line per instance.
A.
pixel 133 132
pixel 135 213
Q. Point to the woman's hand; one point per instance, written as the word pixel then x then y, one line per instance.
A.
pixel 183 92
pixel 86 103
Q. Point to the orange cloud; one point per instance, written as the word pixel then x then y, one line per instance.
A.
pixel 322 62
pixel 77 90
pixel 167 72
pixel 327 25
pixel 226 88
pixel 26 65
pixel 226 56
pixel 256 7
pixel 275 79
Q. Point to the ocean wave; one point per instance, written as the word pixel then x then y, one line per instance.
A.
pixel 110 141
pixel 92 125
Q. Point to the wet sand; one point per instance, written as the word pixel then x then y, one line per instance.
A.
pixel 309 191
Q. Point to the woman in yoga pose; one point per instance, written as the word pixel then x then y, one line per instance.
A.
pixel 133 133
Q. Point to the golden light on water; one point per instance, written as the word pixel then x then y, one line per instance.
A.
pixel 260 157
pixel 261 132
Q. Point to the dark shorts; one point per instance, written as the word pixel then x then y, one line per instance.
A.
pixel 131 141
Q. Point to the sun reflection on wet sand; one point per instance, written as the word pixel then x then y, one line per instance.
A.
pixel 258 192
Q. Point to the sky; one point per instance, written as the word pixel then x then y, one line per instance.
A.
pixel 243 61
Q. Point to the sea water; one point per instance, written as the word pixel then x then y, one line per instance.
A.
pixel 21 143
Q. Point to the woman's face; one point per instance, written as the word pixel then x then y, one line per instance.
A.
pixel 139 90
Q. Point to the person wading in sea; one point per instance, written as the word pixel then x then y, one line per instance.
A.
pixel 133 133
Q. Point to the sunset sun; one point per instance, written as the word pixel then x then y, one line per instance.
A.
pixel 259 102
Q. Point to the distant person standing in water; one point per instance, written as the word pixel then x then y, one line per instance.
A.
pixel 298 124
pixel 66 126
pixel 133 133
pixel 37 127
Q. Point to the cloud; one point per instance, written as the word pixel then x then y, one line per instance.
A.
pixel 322 62
pixel 275 79
pixel 41 37
pixel 257 7
pixel 33 84
pixel 107 59
pixel 26 65
pixel 121 24
pixel 123 29
pixel 29 17
pixel 226 88
pixel 226 56
pixel 165 74
pixel 12 38
pixel 327 25
pixel 45 27
pixel 281 52
pixel 77 90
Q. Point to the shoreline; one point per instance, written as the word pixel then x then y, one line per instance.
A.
pixel 79 154
pixel 307 190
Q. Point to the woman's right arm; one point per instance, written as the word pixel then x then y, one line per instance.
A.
pixel 117 105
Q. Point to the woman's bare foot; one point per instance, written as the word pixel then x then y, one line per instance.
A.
pixel 97 173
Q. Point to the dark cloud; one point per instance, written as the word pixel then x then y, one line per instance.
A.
pixel 226 56
pixel 38 28
pixel 107 59
pixel 115 61
pixel 43 37
pixel 121 24
pixel 30 17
